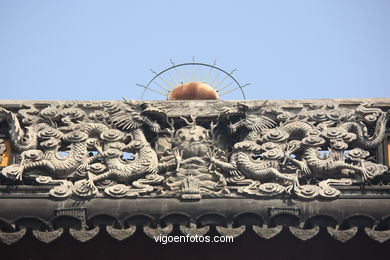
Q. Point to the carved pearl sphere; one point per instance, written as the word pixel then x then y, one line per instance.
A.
pixel 193 91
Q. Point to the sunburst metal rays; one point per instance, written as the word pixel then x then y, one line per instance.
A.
pixel 165 81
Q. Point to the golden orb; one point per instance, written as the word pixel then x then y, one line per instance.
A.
pixel 193 91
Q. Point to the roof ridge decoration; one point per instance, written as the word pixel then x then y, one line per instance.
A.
pixel 49 231
pixel 191 151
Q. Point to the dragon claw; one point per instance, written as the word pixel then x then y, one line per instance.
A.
pixel 89 184
pixel 306 170
pixel 19 176
pixel 292 186
pixel 289 189
pixel 19 173
pixel 82 167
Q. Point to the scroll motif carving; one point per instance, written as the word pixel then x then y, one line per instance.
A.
pixel 135 149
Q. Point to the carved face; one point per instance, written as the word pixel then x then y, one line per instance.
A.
pixel 192 141
pixel 192 134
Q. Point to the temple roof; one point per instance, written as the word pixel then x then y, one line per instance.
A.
pixel 307 167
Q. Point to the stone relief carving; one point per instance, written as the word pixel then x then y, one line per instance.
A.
pixel 193 177
pixel 139 149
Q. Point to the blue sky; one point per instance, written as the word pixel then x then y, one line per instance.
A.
pixel 100 50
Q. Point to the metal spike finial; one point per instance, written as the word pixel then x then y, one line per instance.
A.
pixel 221 88
pixel 228 91
pixel 193 69
pixel 200 74
pixel 186 78
pixel 154 90
pixel 187 72
pixel 161 86
pixel 215 78
pixel 140 85
pixel 173 79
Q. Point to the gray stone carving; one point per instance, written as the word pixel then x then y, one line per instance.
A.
pixel 193 230
pixel 48 236
pixel 158 231
pixel 342 235
pixel 121 234
pixel 133 149
pixel 380 236
pixel 231 231
pixel 84 235
pixel 12 237
pixel 267 232
pixel 304 234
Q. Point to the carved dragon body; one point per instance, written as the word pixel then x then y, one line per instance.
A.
pixel 296 135
pixel 368 142
pixel 22 140
pixel 242 161
pixel 329 165
pixel 145 160
pixel 339 139
pixel 51 160
pixel 83 148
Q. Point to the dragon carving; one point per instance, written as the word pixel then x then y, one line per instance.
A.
pixel 50 159
pixel 23 139
pixel 267 154
pixel 131 149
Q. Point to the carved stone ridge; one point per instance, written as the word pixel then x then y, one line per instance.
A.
pixel 267 159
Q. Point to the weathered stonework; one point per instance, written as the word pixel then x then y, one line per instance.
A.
pixel 317 161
